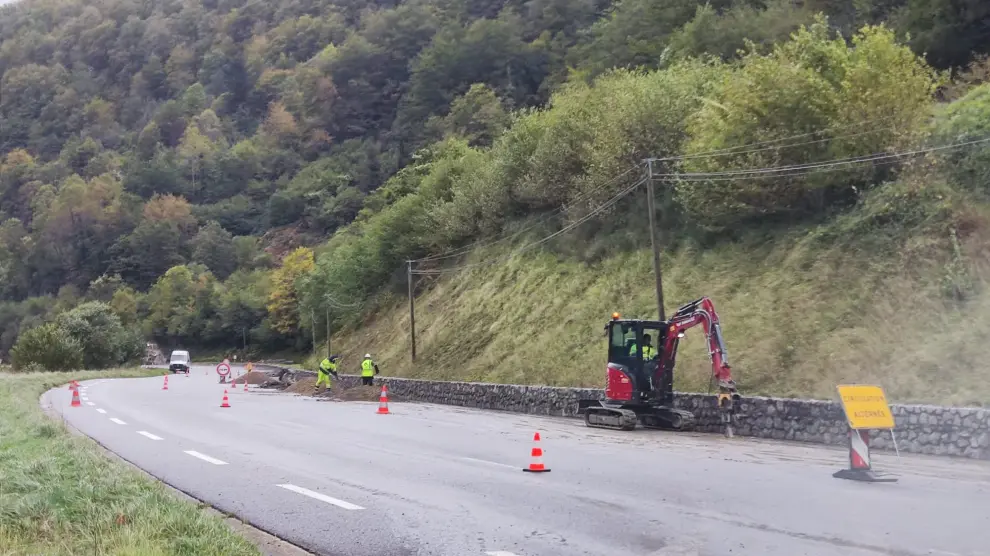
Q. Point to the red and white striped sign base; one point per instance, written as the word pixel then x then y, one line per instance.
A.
pixel 860 467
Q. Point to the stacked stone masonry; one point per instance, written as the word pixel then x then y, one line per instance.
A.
pixel 920 428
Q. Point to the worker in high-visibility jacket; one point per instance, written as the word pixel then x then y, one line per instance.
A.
pixel 368 370
pixel 327 367
pixel 649 352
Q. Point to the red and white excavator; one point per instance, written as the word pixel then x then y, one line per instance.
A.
pixel 639 384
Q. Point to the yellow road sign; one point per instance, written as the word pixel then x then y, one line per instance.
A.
pixel 866 407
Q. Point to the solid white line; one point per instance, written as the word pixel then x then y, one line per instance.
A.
pixel 500 553
pixel 204 457
pixel 149 435
pixel 322 497
pixel 489 462
pixel 118 421
pixel 90 403
pixel 101 410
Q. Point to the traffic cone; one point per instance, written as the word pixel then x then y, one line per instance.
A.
pixel 226 402
pixel 245 385
pixel 536 466
pixel 383 401
pixel 165 386
pixel 75 398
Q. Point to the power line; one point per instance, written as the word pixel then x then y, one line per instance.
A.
pixel 563 208
pixel 729 150
pixel 607 204
pixel 777 170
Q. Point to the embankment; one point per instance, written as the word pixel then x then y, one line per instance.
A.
pixel 922 429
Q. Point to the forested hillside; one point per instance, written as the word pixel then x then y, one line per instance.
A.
pixel 228 174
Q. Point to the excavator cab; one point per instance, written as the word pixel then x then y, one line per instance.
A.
pixel 634 349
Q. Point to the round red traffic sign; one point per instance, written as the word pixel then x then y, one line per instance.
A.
pixel 223 369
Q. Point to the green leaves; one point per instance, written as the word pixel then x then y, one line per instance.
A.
pixel 828 100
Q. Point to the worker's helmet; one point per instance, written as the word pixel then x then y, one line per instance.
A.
pixel 367 356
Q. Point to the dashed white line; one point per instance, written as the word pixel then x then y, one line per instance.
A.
pixel 84 398
pixel 101 410
pixel 149 435
pixel 118 421
pixel 321 497
pixel 205 457
pixel 486 462
pixel 90 403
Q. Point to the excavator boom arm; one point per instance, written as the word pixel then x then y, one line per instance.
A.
pixel 701 312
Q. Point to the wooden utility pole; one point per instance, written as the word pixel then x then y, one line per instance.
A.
pixel 312 316
pixel 412 310
pixel 651 207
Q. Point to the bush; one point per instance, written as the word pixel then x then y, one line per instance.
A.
pixel 967 119
pixel 873 96
pixel 103 339
pixel 49 347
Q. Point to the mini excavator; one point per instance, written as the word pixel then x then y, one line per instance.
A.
pixel 639 387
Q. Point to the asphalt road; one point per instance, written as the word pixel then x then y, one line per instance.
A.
pixel 336 478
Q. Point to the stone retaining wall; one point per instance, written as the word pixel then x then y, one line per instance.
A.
pixel 920 428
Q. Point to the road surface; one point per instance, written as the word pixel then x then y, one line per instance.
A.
pixel 336 478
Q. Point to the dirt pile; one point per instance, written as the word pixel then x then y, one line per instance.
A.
pixel 253 378
pixel 360 394
pixel 302 386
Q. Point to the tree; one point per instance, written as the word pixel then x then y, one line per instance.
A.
pixel 213 247
pixel 477 115
pixel 814 83
pixel 283 302
pixel 49 347
pixel 104 340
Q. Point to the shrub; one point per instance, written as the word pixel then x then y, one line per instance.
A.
pixel 49 347
pixel 102 337
pixel 873 96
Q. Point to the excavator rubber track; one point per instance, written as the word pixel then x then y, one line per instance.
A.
pixel 609 418
pixel 668 419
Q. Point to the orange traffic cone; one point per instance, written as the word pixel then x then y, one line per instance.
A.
pixel 75 398
pixel 226 402
pixel 383 401
pixel 536 466
pixel 165 386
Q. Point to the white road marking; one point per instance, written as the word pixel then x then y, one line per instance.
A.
pixel 84 398
pixel 489 462
pixel 205 457
pixel 90 403
pixel 101 410
pixel 149 435
pixel 321 497
pixel 500 553
pixel 118 421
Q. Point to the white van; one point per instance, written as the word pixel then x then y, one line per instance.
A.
pixel 179 362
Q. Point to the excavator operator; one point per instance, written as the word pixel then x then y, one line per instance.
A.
pixel 649 352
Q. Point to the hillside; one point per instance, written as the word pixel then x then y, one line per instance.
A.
pixel 800 314
pixel 246 175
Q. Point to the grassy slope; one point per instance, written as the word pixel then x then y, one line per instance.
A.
pixel 60 495
pixel 801 312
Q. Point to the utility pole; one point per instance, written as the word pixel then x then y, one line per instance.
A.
pixel 412 310
pixel 312 316
pixel 651 207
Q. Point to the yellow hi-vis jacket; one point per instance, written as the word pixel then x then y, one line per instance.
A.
pixel 367 368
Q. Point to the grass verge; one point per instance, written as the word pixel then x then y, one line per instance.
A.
pixel 59 494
